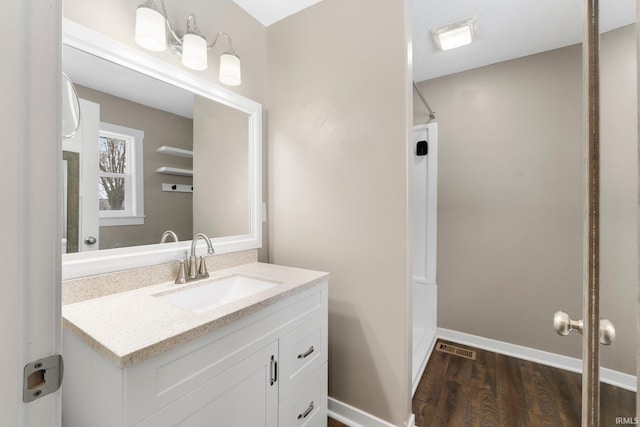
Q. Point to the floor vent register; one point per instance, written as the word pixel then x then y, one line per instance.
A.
pixel 456 351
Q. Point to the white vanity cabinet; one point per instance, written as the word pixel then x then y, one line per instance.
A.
pixel 268 368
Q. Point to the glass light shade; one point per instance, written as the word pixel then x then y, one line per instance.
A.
pixel 230 69
pixel 455 38
pixel 151 32
pixel 194 51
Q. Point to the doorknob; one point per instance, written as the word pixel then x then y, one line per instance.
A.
pixel 90 240
pixel 607 332
pixel 563 325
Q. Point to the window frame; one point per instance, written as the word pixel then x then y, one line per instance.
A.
pixel 133 214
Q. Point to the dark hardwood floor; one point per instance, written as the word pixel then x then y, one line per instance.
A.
pixel 498 390
pixel 333 423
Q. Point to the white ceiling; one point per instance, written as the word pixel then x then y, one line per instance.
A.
pixel 506 29
pixel 268 12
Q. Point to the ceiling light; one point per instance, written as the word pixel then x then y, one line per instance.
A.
pixel 455 35
pixel 191 47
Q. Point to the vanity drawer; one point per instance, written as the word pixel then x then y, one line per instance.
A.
pixel 302 351
pixel 307 405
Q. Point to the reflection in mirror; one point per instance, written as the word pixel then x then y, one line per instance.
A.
pixel 141 178
pixel 70 108
pixel 130 168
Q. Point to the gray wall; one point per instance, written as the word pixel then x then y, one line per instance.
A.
pixel 510 197
pixel 339 123
pixel 221 157
pixel 163 210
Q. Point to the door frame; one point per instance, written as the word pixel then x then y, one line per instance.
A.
pixel 638 213
pixel 30 311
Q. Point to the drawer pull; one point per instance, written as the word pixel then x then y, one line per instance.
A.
pixel 307 412
pixel 306 353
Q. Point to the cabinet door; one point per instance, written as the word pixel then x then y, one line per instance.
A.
pixel 241 396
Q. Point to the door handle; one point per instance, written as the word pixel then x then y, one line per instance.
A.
pixel 563 325
pixel 90 240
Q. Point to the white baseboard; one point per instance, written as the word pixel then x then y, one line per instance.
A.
pixel 609 376
pixel 354 417
pixel 423 364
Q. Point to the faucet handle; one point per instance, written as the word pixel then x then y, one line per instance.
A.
pixel 202 270
pixel 181 277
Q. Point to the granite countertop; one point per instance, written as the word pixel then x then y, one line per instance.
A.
pixel 130 327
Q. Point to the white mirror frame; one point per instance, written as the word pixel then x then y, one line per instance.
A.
pixel 97 262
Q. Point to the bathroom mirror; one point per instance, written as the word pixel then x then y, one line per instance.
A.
pixel 157 149
pixel 70 108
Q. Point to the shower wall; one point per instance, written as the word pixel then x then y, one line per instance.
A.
pixel 510 197
pixel 425 290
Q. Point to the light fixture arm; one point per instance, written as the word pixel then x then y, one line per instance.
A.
pixel 216 41
pixel 176 36
pixel 192 27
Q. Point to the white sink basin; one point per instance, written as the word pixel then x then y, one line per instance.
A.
pixel 216 293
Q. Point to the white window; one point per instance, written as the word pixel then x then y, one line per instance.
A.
pixel 120 176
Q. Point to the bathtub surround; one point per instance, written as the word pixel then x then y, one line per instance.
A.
pixel 510 205
pixel 339 111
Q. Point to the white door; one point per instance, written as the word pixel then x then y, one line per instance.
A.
pixel 87 139
pixel 85 143
pixel 30 210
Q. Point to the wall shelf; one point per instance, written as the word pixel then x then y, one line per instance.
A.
pixel 173 151
pixel 174 171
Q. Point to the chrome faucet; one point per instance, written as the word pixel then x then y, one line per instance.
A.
pixel 168 233
pixel 199 271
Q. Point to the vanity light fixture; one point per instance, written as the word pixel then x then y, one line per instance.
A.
pixel 191 47
pixel 455 35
